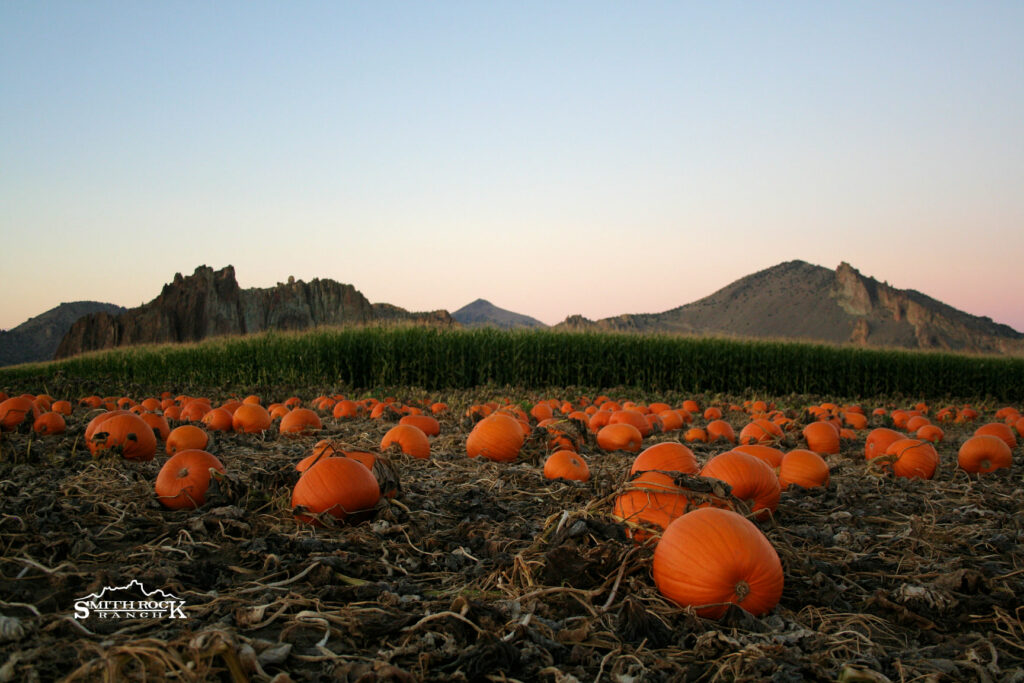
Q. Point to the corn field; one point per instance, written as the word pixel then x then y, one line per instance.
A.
pixel 433 358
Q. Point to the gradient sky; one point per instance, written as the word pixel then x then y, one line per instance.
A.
pixel 552 157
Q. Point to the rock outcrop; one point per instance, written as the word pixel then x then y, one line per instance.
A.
pixel 210 303
pixel 798 300
pixel 482 313
pixel 37 338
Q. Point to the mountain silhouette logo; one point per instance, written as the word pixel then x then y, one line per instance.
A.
pixel 131 601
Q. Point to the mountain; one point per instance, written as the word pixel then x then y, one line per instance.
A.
pixel 37 338
pixel 798 300
pixel 210 303
pixel 482 312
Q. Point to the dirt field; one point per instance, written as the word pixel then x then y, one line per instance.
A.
pixel 485 571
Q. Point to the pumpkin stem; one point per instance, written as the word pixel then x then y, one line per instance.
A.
pixel 742 590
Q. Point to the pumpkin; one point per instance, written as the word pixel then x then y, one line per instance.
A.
pixel 651 498
pixel 340 487
pixel 760 431
pixel 878 441
pixel 186 438
pixel 410 440
pixel 566 465
pixel 542 411
pixel 821 437
pixel 95 422
pixel 695 434
pixel 125 433
pixel 49 423
pixel 930 432
pixel 720 430
pixel 218 420
pixel 671 420
pixel 1000 430
pixel 711 558
pixel 62 407
pixel 803 468
pixel 713 413
pixel 751 479
pixel 619 437
pixel 631 417
pixel 184 479
pixel 913 458
pixel 194 410
pixel 300 421
pixel 16 410
pixel 346 409
pixel 770 455
pixel 598 420
pixel 158 423
pixel 438 407
pixel 916 422
pixel 251 418
pixel 984 453
pixel 670 456
pixel 496 437
pixel 426 424
pixel 855 420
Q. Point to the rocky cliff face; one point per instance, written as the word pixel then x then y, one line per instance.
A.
pixel 36 339
pixel 798 300
pixel 210 303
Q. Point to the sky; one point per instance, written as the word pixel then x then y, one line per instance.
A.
pixel 555 158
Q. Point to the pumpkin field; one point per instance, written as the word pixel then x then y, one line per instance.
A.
pixel 501 532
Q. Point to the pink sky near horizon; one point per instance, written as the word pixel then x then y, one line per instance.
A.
pixel 586 158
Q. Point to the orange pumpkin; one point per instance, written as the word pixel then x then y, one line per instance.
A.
pixel 984 453
pixel 803 468
pixel 186 438
pixel 930 432
pixel 770 455
pixel 300 421
pixel 855 420
pixel 251 418
pixel 496 437
pixel 695 434
pixel 125 433
pixel 62 407
pixel 16 410
pixel 49 423
pixel 566 465
pixel 760 431
pixel 410 440
pixel 631 417
pixel 913 458
pixel 619 437
pixel 218 420
pixel 346 409
pixel 711 557
pixel 184 479
pixel 651 498
pixel 878 441
pixel 339 487
pixel 670 456
pixel 426 424
pixel 1000 430
pixel 158 423
pixel 751 479
pixel 821 437
pixel 720 430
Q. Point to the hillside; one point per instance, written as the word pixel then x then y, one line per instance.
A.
pixel 798 300
pixel 37 338
pixel 210 303
pixel 482 313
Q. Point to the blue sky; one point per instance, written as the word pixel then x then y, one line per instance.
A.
pixel 554 158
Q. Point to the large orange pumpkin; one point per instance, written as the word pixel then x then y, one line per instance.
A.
pixel 186 438
pixel 760 431
pixel 125 433
pixel 300 421
pixel 803 468
pixel 652 498
pixel 720 430
pixel 425 423
pixel 184 479
pixel 669 456
pixel 566 465
pixel 410 440
pixel 770 455
pixel 496 437
pixel 631 417
pixel 16 410
pixel 984 453
pixel 49 423
pixel 251 418
pixel 878 441
pixel 752 480
pixel 1000 430
pixel 619 437
pixel 822 437
pixel 711 558
pixel 338 486
pixel 913 458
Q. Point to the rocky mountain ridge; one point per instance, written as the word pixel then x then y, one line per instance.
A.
pixel 798 300
pixel 482 313
pixel 210 303
pixel 37 338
